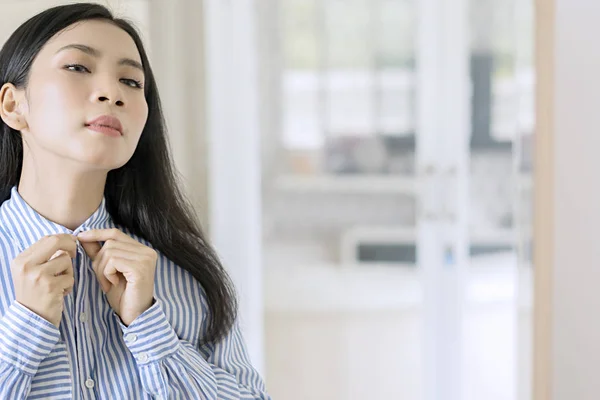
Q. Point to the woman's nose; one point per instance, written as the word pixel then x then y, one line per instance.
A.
pixel 108 91
pixel 109 100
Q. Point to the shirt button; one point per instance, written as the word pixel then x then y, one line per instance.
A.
pixel 89 384
pixel 83 317
pixel 131 337
pixel 143 357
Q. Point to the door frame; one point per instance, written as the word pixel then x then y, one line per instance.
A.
pixel 442 164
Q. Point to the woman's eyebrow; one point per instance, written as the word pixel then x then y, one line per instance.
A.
pixel 96 53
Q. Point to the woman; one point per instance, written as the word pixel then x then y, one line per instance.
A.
pixel 109 288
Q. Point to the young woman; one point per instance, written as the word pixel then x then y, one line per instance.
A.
pixel 108 288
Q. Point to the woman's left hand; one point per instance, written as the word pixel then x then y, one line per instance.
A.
pixel 125 269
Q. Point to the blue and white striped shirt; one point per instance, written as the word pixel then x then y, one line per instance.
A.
pixel 93 355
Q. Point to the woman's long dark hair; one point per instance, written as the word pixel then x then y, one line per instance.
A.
pixel 142 196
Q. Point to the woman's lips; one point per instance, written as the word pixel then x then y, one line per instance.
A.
pixel 106 124
pixel 106 130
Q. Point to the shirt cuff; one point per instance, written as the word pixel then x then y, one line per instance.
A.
pixel 26 339
pixel 150 337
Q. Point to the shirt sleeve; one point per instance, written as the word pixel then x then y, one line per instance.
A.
pixel 173 368
pixel 26 339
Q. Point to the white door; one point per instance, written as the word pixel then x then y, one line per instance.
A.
pixel 388 224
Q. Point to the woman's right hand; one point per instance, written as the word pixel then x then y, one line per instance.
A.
pixel 43 274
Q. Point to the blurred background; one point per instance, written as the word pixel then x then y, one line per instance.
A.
pixel 364 168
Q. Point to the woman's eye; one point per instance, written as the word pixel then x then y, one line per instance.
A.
pixel 132 83
pixel 76 68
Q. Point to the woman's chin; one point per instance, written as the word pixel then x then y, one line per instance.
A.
pixel 103 160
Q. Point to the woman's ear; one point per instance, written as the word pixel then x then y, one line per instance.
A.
pixel 12 104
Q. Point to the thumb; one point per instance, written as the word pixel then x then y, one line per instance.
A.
pixel 91 248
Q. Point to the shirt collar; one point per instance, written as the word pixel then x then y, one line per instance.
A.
pixel 27 226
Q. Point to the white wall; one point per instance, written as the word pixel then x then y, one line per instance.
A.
pixel 568 201
pixel 577 205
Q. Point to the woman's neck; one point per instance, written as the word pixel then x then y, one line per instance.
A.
pixel 62 194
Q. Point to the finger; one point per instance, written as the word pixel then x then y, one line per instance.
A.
pixel 58 253
pixel 68 271
pixel 132 245
pixel 130 251
pixel 98 266
pixel 65 283
pixel 116 266
pixel 103 235
pixel 123 250
pixel 61 265
pixel 105 284
pixel 91 248
pixel 42 250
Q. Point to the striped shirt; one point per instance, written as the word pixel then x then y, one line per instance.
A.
pixel 93 355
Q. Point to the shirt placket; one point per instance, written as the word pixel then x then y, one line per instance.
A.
pixel 83 320
pixel 67 325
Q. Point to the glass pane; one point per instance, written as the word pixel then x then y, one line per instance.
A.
pixel 301 83
pixel 347 22
pixel 339 203
pixel 348 69
pixel 496 325
pixel 347 109
pixel 394 63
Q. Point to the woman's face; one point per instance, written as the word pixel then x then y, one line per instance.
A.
pixel 89 70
